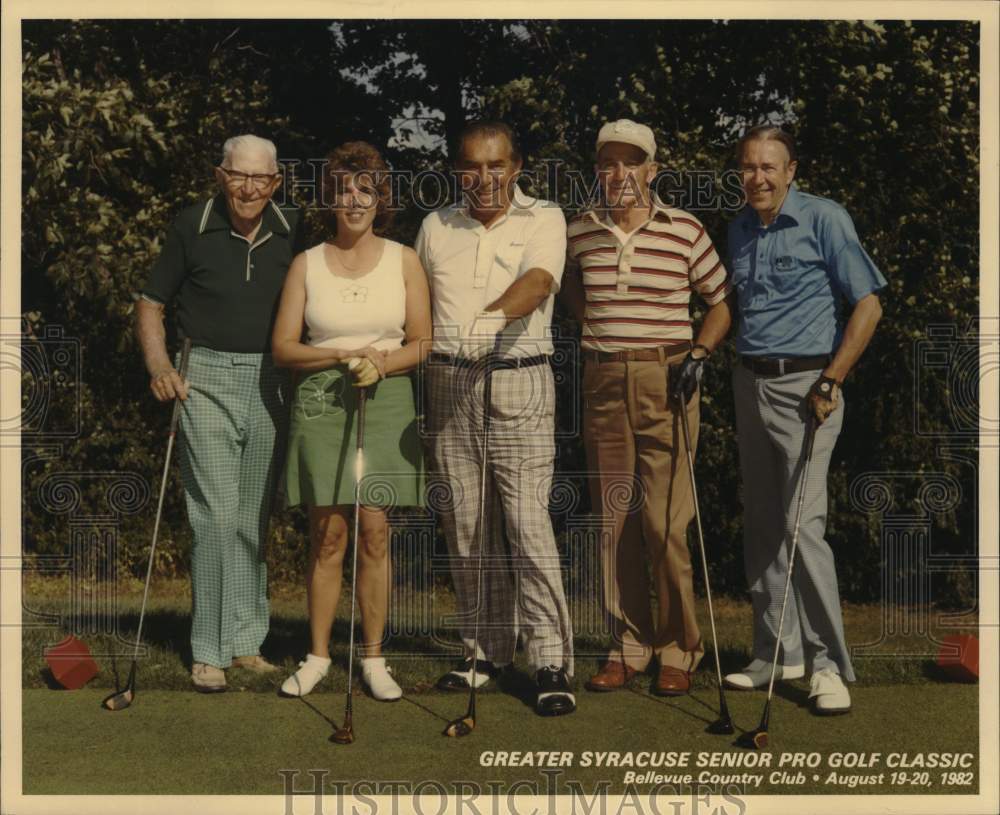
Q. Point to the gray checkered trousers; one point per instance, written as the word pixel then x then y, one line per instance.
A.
pixel 522 589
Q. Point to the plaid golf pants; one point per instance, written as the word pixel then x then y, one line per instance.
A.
pixel 232 435
pixel 522 591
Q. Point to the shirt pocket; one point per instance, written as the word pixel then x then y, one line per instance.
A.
pixel 741 267
pixel 787 273
pixel 508 258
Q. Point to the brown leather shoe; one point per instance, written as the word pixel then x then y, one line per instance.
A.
pixel 613 675
pixel 255 663
pixel 672 682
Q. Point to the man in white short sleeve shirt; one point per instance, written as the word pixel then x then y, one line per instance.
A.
pixel 494 262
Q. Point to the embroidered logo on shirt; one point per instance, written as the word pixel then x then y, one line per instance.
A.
pixel 785 263
pixel 354 294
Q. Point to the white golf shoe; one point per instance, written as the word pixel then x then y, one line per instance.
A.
pixel 758 674
pixel 377 677
pixel 459 677
pixel 311 670
pixel 830 693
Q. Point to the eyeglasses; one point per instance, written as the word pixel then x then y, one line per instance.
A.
pixel 260 181
pixel 630 166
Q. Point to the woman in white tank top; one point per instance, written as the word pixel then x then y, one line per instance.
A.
pixel 354 296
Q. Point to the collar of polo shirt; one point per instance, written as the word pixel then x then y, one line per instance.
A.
pixel 520 204
pixel 215 216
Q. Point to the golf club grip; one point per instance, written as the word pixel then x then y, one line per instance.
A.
pixel 487 400
pixel 813 427
pixel 362 401
pixel 185 357
pixel 488 386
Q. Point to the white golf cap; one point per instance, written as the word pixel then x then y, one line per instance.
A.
pixel 628 132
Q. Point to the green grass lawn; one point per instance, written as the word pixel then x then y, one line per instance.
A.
pixel 175 741
pixel 237 743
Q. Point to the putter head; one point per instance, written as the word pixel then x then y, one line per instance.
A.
pixel 344 735
pixel 460 727
pixel 119 700
pixel 723 726
pixel 753 740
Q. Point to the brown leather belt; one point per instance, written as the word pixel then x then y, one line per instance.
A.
pixel 659 354
pixel 764 366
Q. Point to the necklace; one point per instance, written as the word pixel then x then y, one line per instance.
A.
pixel 340 259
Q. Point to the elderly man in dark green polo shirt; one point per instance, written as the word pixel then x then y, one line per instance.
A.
pixel 222 266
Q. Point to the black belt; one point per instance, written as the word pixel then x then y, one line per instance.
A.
pixel 768 366
pixel 495 363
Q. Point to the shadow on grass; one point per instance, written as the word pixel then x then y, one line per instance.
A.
pixel 168 630
pixel 317 711
pixel 932 671
pixel 673 704
pixel 334 725
pixel 50 681
pixel 426 709
pixel 731 660
pixel 791 693
pixel 289 639
pixel 515 682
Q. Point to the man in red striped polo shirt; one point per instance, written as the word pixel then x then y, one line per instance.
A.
pixel 632 265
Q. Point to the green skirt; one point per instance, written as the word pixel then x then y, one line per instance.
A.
pixel 322 441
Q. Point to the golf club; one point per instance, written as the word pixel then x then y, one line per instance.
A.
pixel 345 735
pixel 724 724
pixel 759 738
pixel 466 724
pixel 121 699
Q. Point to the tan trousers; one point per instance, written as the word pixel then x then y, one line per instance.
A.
pixel 630 427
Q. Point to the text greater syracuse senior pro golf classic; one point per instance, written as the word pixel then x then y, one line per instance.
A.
pixel 706 758
pixel 684 759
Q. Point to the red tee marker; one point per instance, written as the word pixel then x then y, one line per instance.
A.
pixel 71 663
pixel 959 657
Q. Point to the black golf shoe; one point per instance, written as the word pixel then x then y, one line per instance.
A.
pixel 459 677
pixel 554 695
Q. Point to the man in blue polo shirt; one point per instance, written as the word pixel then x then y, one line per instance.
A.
pixel 223 265
pixel 797 265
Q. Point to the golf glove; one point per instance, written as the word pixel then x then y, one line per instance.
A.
pixel 823 397
pixel 686 377
pixel 479 337
pixel 364 370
